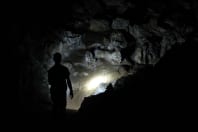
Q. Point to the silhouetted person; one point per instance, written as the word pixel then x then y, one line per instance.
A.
pixel 58 75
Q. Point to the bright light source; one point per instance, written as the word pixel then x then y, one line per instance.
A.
pixel 101 88
pixel 95 82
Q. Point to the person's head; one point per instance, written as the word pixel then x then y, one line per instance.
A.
pixel 57 58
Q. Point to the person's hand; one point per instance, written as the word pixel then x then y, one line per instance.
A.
pixel 71 95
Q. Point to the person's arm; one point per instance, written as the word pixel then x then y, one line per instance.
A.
pixel 70 87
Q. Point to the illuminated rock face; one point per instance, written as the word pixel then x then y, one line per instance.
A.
pixel 99 25
pixel 100 39
pixel 120 23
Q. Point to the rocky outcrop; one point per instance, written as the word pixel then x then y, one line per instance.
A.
pixel 98 25
pixel 153 94
pixel 120 23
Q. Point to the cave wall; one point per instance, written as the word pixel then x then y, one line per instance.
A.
pixel 122 33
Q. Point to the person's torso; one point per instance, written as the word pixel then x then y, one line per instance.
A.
pixel 58 75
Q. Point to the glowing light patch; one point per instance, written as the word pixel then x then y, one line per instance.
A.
pixel 98 82
pixel 101 88
pixel 95 82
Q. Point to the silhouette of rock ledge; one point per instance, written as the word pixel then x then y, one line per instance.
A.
pixel 165 92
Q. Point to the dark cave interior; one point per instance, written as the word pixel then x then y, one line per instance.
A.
pixel 145 49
